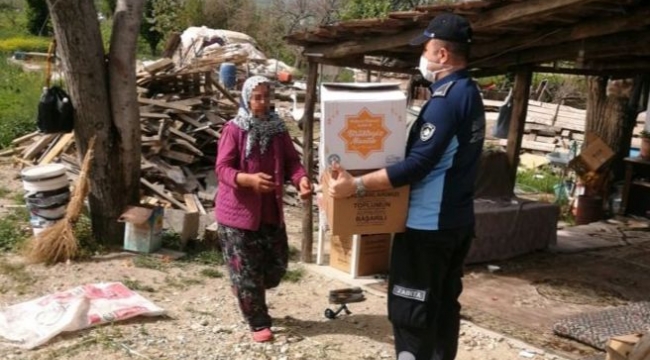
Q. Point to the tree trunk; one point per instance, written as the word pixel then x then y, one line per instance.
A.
pixel 88 76
pixel 609 117
pixel 123 94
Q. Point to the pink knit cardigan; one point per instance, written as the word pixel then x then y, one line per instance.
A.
pixel 241 207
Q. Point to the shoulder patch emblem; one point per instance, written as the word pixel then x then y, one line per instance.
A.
pixel 443 90
pixel 427 130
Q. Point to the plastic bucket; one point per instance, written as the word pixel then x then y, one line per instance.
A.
pixel 47 193
pixel 589 209
pixel 228 75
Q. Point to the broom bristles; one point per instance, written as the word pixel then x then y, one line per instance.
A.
pixel 83 186
pixel 53 244
pixel 58 242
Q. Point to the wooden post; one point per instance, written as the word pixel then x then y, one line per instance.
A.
pixel 521 92
pixel 308 160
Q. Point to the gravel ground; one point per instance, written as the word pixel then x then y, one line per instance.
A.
pixel 203 321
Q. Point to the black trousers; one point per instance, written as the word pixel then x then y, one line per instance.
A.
pixel 424 286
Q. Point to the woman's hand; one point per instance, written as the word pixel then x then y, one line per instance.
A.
pixel 305 188
pixel 260 182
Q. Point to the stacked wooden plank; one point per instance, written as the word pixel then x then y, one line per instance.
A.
pixel 553 127
pixel 181 117
pixel 549 127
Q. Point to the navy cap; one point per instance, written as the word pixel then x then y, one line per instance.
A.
pixel 446 26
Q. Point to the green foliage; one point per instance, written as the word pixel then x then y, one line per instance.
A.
pixel 19 95
pixel 269 37
pixel 206 257
pixel 149 262
pixel 106 28
pixel 136 285
pixel 108 7
pixel 83 231
pixel 364 9
pixel 540 180
pixel 194 12
pixel 294 253
pixel 38 19
pixel 211 273
pixel 345 75
pixel 147 27
pixel 167 15
pixel 12 19
pixel 171 239
pixel 14 229
pixel 294 275
pixel 24 43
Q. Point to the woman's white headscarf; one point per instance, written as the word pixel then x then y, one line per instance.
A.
pixel 260 132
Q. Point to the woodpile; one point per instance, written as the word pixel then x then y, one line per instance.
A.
pixel 552 127
pixel 181 116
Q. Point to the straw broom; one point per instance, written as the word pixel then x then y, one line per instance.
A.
pixel 58 242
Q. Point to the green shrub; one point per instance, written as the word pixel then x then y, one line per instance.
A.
pixel 19 95
pixel 540 180
pixel 38 18
pixel 24 43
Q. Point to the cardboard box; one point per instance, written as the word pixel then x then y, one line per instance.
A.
pixel 377 212
pixel 363 125
pixel 620 347
pixel 374 254
pixel 592 157
pixel 143 230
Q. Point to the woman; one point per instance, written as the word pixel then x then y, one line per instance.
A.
pixel 255 157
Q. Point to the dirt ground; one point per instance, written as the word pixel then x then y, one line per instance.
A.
pixel 202 320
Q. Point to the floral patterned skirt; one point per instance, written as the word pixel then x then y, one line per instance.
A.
pixel 256 260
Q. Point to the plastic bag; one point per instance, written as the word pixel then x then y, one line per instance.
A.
pixel 33 323
pixel 55 111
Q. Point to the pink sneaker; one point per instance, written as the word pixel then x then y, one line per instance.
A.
pixel 263 335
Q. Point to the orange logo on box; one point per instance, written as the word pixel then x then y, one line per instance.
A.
pixel 364 133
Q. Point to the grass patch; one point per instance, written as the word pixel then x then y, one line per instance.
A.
pixel 136 285
pixel 171 240
pixel 4 192
pixel 174 282
pixel 14 229
pixel 211 273
pixel 83 231
pixel 181 282
pixel 539 180
pixel 109 337
pixel 18 274
pixel 294 275
pixel 19 95
pixel 18 198
pixel 205 257
pixel 149 262
pixel 192 281
pixel 294 253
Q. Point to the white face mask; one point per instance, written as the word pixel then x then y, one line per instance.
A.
pixel 430 75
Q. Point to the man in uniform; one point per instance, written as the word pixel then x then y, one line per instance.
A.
pixel 441 162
